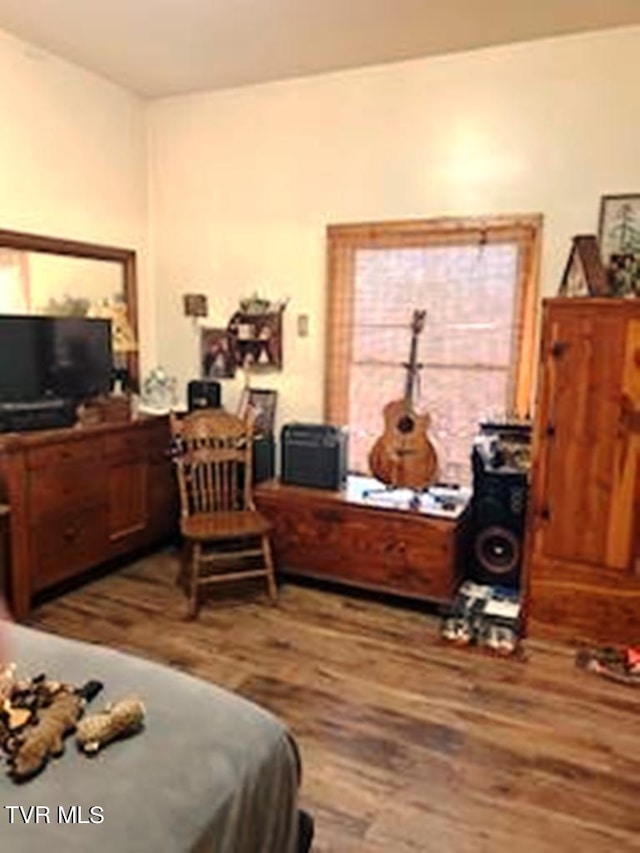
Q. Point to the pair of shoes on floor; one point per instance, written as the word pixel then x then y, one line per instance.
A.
pixel 456 630
pixel 500 639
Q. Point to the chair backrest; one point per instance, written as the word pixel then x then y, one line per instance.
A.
pixel 213 461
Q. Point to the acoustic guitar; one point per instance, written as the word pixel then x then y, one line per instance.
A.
pixel 403 456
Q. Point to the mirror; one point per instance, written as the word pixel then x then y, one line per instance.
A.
pixel 46 275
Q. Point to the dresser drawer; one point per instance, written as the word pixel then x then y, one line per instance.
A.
pixel 68 543
pixel 72 485
pixel 76 452
pixel 127 446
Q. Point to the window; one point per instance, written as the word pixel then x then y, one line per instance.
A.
pixel 477 281
pixel 14 282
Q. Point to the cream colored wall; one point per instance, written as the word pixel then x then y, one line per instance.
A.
pixel 73 158
pixel 243 182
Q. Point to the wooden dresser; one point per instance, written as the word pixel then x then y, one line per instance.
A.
pixel 327 535
pixel 81 496
pixel 583 547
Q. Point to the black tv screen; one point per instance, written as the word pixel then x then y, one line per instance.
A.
pixel 67 357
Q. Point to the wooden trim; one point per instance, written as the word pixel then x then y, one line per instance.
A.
pixel 370 231
pixel 339 316
pixel 528 300
pixel 77 249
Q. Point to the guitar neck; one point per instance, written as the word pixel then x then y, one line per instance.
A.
pixel 412 369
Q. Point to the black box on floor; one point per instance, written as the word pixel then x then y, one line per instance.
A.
pixel 313 455
pixel 264 458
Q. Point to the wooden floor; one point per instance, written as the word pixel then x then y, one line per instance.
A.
pixel 407 745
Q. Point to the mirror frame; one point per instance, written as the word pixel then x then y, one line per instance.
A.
pixel 75 248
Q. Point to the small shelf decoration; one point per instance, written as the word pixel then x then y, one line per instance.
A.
pixel 584 273
pixel 255 334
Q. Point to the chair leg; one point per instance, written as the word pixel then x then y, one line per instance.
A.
pixel 192 608
pixel 268 561
pixel 182 575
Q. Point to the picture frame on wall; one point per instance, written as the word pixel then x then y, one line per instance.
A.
pixel 584 273
pixel 216 356
pixel 619 239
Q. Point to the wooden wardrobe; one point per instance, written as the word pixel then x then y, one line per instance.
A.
pixel 583 545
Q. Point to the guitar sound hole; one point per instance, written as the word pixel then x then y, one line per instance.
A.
pixel 405 425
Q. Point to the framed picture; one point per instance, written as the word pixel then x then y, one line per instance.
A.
pixel 619 238
pixel 216 357
pixel 584 273
pixel 262 403
pixel 194 305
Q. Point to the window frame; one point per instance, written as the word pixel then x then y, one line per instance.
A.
pixel 343 241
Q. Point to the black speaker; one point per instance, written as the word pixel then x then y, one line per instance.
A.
pixel 498 515
pixel 264 458
pixel 313 455
pixel 203 394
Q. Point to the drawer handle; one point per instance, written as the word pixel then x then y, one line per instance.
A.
pixel 395 547
pixel 70 534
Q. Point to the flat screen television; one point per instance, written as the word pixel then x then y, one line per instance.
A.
pixel 62 357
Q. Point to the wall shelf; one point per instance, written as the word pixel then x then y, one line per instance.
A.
pixel 256 340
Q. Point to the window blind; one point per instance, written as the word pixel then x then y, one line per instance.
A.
pixel 477 282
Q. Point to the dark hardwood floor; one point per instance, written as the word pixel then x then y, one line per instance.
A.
pixel 407 745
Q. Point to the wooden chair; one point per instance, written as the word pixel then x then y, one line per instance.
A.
pixel 223 531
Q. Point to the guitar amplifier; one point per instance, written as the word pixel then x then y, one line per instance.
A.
pixel 313 455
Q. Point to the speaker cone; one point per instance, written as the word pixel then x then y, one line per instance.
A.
pixel 497 550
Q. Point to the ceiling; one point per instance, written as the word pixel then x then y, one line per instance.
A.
pixel 166 47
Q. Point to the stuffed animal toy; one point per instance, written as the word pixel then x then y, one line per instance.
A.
pixel 97 730
pixel 45 739
pixel 36 718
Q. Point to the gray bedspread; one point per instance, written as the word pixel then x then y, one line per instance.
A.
pixel 210 772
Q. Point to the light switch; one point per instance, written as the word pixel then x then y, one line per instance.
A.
pixel 303 325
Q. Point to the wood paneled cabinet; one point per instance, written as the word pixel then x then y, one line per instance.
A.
pixel 583 550
pixel 79 497
pixel 322 534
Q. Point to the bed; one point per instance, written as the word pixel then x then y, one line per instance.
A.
pixel 210 772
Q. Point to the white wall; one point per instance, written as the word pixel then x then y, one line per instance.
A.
pixel 73 158
pixel 243 182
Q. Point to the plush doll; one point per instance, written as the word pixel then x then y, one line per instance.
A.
pixel 37 717
pixel 45 738
pixel 97 730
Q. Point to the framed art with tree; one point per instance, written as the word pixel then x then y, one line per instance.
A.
pixel 619 238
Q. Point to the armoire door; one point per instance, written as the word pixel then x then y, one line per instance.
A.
pixel 588 461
